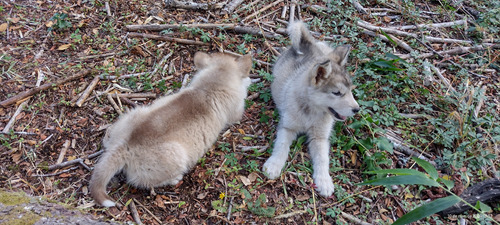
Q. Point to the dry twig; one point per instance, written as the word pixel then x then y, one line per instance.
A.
pixel 32 91
pixel 165 38
pixel 87 91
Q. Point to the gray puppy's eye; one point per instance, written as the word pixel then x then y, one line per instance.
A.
pixel 337 93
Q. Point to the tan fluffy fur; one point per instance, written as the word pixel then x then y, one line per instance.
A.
pixel 157 144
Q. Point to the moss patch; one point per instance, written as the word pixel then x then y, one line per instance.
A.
pixel 20 216
pixel 13 198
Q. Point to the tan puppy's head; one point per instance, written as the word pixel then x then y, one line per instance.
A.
pixel 242 64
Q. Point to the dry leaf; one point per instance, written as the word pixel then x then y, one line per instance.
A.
pixel 245 180
pixel 49 24
pixel 71 158
pixel 202 195
pixel 3 27
pixel 253 176
pixel 241 131
pixel 302 197
pixel 63 47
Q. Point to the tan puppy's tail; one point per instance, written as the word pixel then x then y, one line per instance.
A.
pixel 104 170
pixel 300 36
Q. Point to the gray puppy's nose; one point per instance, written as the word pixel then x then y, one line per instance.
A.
pixel 355 110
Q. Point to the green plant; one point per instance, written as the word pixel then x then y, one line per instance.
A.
pixel 410 176
pixel 258 207
pixel 61 21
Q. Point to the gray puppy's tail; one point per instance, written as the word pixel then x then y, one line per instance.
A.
pixel 104 170
pixel 300 36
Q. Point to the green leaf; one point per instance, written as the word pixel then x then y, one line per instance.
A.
pixel 384 144
pixel 427 167
pixel 388 37
pixel 427 210
pixel 448 183
pixel 397 172
pixel 482 207
pixel 403 179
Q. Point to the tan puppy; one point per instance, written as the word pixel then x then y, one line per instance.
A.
pixel 156 145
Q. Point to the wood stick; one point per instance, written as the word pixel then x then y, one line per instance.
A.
pixel 398 41
pixel 192 5
pixel 63 151
pixel 126 101
pixel 165 38
pixel 97 56
pixel 160 27
pixel 150 213
pixel 162 61
pixel 137 95
pixel 247 6
pixel 32 91
pixel 261 10
pixel 229 8
pixel 453 51
pixel 432 25
pixel 359 7
pixel 13 118
pixel 106 77
pixel 290 214
pixel 113 103
pixel 371 27
pixel 291 17
pixel 74 161
pixel 354 219
pixel 135 214
pixel 87 91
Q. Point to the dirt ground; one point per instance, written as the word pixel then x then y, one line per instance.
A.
pixel 47 41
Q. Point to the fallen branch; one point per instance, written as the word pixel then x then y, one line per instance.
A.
pixel 261 10
pixel 453 51
pixel 135 214
pixel 74 161
pixel 399 42
pixel 433 25
pixel 87 91
pixel 107 77
pixel 13 118
pixel 353 219
pixel 113 103
pixel 359 7
pixel 160 27
pixel 399 145
pixel 32 91
pixel 192 5
pixel 63 151
pixel 229 8
pixel 290 214
pixel 165 38
pixel 225 26
pixel 371 27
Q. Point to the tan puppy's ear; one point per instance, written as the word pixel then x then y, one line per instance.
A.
pixel 245 64
pixel 201 60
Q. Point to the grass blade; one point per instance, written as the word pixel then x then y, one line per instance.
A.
pixel 397 172
pixel 427 210
pixel 427 167
pixel 404 179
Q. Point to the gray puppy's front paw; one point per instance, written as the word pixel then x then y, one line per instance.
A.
pixel 324 185
pixel 272 169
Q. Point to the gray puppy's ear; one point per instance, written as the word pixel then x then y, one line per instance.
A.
pixel 201 60
pixel 341 54
pixel 321 73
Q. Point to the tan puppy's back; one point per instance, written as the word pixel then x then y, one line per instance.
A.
pixel 158 144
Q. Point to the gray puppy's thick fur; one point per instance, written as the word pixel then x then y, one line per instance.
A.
pixel 156 145
pixel 311 89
